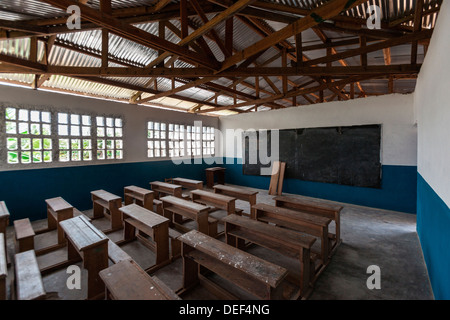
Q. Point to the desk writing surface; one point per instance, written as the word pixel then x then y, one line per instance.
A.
pixel 292 214
pixel 165 185
pixel 105 195
pixel 143 215
pixel 138 190
pixel 125 280
pixel 208 194
pixel 234 189
pixel 58 204
pixel 215 169
pixel 190 181
pixel 82 233
pixel 184 203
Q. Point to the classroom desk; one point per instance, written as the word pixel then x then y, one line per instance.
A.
pixel 188 209
pixel 143 197
pixel 87 242
pixel 127 281
pixel 150 224
pixel 238 193
pixel 218 172
pixel 252 274
pixel 214 200
pixel 188 183
pixel 102 200
pixel 166 189
pixel 330 211
pixel 287 242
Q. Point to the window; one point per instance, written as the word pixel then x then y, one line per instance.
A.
pixel 208 140
pixel 75 143
pixel 193 140
pixel 109 138
pixel 28 136
pixel 176 140
pixel 156 143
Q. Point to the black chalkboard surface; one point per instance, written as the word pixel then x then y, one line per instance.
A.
pixel 342 155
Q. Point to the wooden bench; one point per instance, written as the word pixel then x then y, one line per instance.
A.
pixel 174 208
pixel 4 222
pixel 148 224
pixel 107 204
pixel 329 211
pixel 238 193
pixel 89 244
pixel 298 221
pixel 166 188
pixel 3 267
pixel 256 276
pixel 116 254
pixel 239 229
pixel 217 172
pixel 125 280
pixel 140 196
pixel 28 278
pixel 24 235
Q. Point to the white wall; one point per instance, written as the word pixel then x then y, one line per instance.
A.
pixel 395 112
pixel 134 117
pixel 432 105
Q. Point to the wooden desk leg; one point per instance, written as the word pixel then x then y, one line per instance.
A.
pixel 129 232
pixel 221 177
pixel 190 268
pixel 116 215
pixel 148 202
pixel 209 179
pixel 127 199
pixel 324 245
pixel 161 238
pixel 64 215
pixel 202 223
pixel 337 223
pixel 94 260
pixel 305 270
pixel 97 211
pixel 51 221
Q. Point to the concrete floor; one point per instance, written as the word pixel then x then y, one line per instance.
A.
pixel 370 236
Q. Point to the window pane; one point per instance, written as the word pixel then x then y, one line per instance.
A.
pixel 48 144
pixel 75 144
pixel 46 129
pixel 37 156
pixel 34 115
pixel 64 156
pixel 11 144
pixel 46 117
pixel 74 130
pixel 26 157
pixel 87 155
pixel 86 120
pixel 119 154
pixel 86 131
pixel 63 118
pixel 37 144
pixel 87 144
pixel 25 144
pixel 63 144
pixel 13 157
pixel 11 127
pixel 100 132
pixel 109 144
pixel 109 154
pixel 76 155
pixel 63 130
pixel 100 121
pixel 23 115
pixel 110 132
pixel 119 144
pixel 10 113
pixel 118 122
pixel 74 119
pixel 118 132
pixel 110 122
pixel 100 144
pixel 35 129
pixel 100 154
pixel 47 156
pixel 23 128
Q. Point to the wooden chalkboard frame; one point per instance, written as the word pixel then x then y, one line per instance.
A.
pixel 352 157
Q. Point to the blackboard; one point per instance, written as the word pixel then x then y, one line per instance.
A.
pixel 341 155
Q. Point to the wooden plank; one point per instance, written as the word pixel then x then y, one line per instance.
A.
pixel 82 233
pixel 274 177
pixel 4 212
pixel 234 190
pixel 116 254
pixel 327 210
pixel 185 204
pixel 281 178
pixel 3 264
pixel 28 277
pixel 254 267
pixel 188 183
